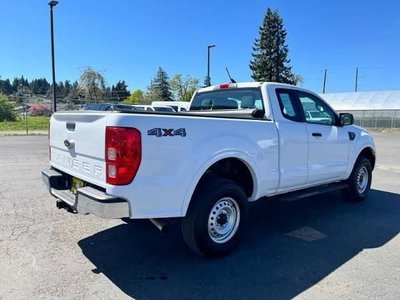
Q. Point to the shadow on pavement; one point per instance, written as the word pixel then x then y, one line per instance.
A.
pixel 146 264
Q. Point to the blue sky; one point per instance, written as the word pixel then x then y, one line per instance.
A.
pixel 129 39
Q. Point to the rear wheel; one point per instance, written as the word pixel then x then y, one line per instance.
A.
pixel 216 216
pixel 359 180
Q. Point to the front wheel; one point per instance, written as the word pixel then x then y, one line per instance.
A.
pixel 216 216
pixel 359 180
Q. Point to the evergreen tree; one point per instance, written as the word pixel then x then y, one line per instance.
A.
pixel 67 88
pixel 35 86
pixel 60 89
pixel 6 87
pixel 119 91
pixel 159 89
pixel 20 84
pixel 270 52
pixel 15 85
pixel 39 86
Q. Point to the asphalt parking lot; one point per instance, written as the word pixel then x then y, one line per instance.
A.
pixel 315 248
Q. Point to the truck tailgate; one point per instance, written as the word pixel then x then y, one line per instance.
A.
pixel 77 144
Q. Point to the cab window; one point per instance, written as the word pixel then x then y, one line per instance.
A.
pixel 232 99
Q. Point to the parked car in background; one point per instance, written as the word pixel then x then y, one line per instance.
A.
pixel 315 116
pixel 144 107
pixel 178 106
pixel 154 108
pixel 110 107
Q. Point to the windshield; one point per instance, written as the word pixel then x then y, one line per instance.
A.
pixel 235 98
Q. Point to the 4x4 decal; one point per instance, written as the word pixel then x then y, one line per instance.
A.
pixel 160 132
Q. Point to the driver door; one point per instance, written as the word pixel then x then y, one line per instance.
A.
pixel 328 143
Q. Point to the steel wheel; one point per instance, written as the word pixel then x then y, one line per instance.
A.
pixel 362 180
pixel 216 217
pixel 359 182
pixel 223 220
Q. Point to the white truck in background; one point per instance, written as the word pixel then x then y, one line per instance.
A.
pixel 164 106
pixel 178 106
pixel 239 142
pixel 153 108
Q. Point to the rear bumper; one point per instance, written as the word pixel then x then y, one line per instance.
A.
pixel 87 200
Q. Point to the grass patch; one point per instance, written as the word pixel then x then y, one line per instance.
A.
pixel 34 123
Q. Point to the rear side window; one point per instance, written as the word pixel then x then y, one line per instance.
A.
pixel 235 98
pixel 287 104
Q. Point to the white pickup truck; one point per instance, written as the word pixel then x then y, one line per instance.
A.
pixel 238 143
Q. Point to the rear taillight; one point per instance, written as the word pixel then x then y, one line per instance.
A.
pixel 123 154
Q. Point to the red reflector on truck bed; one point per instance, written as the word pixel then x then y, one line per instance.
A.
pixel 123 154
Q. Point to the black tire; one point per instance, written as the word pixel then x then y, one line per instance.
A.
pixel 359 181
pixel 218 205
pixel 127 220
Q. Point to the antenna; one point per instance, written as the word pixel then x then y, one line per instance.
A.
pixel 356 85
pixel 325 75
pixel 229 75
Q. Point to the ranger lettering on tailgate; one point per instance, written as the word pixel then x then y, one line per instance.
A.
pixel 78 165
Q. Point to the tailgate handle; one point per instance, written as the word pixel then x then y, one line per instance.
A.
pixel 71 126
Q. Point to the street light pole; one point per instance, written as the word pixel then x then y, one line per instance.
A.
pixel 208 78
pixel 52 4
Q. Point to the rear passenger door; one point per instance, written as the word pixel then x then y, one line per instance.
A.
pixel 328 143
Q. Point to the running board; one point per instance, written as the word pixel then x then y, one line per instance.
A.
pixel 314 191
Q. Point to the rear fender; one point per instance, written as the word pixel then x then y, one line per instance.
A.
pixel 218 157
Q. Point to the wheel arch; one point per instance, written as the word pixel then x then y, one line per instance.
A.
pixel 369 153
pixel 233 167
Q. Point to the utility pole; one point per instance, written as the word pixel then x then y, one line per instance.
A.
pixel 356 85
pixel 324 87
pixel 53 66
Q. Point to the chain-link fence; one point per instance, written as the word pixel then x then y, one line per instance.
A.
pixel 376 118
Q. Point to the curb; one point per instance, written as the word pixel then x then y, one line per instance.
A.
pixel 22 133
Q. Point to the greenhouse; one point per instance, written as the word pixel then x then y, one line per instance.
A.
pixel 370 109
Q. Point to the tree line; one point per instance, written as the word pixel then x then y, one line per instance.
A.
pixel 64 89
pixel 92 87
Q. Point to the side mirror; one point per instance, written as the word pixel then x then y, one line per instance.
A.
pixel 346 119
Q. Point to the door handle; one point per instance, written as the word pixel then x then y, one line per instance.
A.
pixel 317 134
